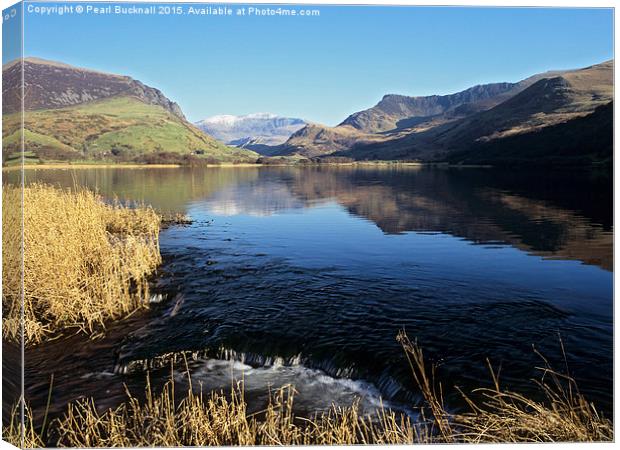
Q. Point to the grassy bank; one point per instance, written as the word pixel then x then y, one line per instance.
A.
pixel 84 261
pixel 215 419
pixel 87 165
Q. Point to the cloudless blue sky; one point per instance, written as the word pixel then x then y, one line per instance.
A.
pixel 323 68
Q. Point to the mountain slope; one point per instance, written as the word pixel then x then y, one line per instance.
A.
pixel 78 114
pixel 547 102
pixel 251 129
pixel 400 111
pixel 317 140
pixel 50 84
pixel 120 128
pixel 581 141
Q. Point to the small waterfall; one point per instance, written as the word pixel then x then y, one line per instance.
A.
pixel 389 387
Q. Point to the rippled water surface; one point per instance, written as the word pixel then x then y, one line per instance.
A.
pixel 305 276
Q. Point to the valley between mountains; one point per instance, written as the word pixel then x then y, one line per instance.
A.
pixel 556 118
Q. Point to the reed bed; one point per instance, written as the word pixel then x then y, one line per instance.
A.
pixel 216 419
pixel 84 260
pixel 11 261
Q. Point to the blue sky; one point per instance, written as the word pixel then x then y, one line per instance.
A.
pixel 322 68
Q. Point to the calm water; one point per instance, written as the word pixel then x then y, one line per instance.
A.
pixel 305 276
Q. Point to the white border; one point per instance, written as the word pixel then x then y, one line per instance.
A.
pixel 505 3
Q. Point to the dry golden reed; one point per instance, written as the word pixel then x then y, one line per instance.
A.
pixel 216 419
pixel 20 433
pixel 211 420
pixel 504 416
pixel 11 261
pixel 84 260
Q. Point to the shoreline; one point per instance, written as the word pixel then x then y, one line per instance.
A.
pixel 65 166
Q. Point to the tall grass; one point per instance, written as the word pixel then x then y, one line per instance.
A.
pixel 11 261
pixel 213 419
pixel 506 416
pixel 85 261
pixel 216 419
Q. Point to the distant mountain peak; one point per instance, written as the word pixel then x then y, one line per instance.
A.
pixel 266 128
pixel 230 119
pixel 261 115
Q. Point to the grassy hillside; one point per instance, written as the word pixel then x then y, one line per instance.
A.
pixel 119 129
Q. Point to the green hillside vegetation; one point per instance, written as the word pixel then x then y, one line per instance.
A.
pixel 120 129
pixel 39 145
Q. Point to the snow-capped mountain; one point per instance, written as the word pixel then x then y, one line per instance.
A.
pixel 266 128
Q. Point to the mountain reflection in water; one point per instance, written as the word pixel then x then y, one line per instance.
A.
pixel 565 215
pixel 455 202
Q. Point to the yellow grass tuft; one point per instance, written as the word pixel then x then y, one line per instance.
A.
pixel 216 419
pixel 220 420
pixel 85 261
pixel 11 261
pixel 506 416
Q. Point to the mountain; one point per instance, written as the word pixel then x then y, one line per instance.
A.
pixel 546 102
pixel 434 127
pixel 252 130
pixel 317 140
pixel 400 111
pixel 80 114
pixel 256 144
pixel 582 141
pixel 397 113
pixel 51 85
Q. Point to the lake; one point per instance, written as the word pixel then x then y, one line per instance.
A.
pixel 305 275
